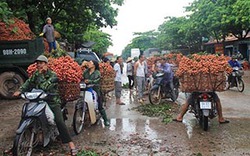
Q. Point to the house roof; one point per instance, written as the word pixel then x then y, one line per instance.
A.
pixel 228 39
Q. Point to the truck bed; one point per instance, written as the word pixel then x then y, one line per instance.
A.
pixel 19 53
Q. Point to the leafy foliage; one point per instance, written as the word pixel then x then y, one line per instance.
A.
pixel 71 17
pixel 219 18
pixel 207 19
pixel 5 12
pixel 161 110
pixel 142 40
pixel 102 40
pixel 87 153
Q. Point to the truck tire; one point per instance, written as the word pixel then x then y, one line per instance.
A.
pixel 9 83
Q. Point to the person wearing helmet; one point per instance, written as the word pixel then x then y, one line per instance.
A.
pixel 48 31
pixel 44 78
pixel 233 63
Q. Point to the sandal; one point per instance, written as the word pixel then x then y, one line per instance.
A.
pixel 8 152
pixel 73 152
pixel 224 122
pixel 176 120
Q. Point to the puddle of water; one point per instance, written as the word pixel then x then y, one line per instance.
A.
pixel 128 126
pixel 190 123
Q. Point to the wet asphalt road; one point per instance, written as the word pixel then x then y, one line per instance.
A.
pixel 131 133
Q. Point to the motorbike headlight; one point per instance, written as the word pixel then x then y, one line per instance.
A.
pixel 44 95
pixel 32 96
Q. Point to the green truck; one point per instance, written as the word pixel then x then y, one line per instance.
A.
pixel 15 57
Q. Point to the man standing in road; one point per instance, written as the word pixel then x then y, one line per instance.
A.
pixel 140 77
pixel 130 73
pixel 118 80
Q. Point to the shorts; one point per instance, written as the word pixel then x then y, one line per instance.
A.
pixel 118 89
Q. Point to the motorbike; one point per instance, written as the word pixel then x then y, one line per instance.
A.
pixel 160 90
pixel 86 109
pixel 37 126
pixel 236 79
pixel 204 107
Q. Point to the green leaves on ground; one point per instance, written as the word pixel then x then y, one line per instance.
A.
pixel 87 153
pixel 162 110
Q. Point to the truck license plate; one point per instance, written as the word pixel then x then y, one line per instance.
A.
pixel 205 105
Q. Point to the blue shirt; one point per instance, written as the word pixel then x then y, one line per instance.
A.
pixel 234 63
pixel 167 69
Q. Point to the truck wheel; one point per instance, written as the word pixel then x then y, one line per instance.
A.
pixel 9 83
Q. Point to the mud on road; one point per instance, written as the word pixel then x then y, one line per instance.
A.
pixel 133 134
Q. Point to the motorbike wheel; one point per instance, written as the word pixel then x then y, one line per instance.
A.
pixel 240 85
pixel 176 92
pixel 79 118
pixel 227 85
pixel 24 142
pixel 154 96
pixel 204 123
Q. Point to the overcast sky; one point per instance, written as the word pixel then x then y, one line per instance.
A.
pixel 141 16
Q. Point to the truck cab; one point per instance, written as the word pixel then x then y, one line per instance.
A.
pixel 85 53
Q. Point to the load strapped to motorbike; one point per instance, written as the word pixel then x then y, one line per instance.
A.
pixel 203 73
pixel 68 91
pixel 107 83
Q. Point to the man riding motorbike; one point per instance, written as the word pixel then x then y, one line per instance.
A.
pixel 169 74
pixel 233 63
pixel 190 100
pixel 42 79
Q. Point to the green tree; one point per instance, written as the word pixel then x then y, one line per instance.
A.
pixel 178 33
pixel 102 40
pixel 240 19
pixel 126 52
pixel 219 18
pixel 169 35
pixel 72 17
pixel 142 40
pixel 5 12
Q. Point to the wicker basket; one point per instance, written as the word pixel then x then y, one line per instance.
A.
pixel 203 82
pixel 107 85
pixel 69 91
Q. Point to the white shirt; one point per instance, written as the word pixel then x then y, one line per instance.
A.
pixel 140 69
pixel 118 76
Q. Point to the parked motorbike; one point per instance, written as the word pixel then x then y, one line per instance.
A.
pixel 204 107
pixel 236 79
pixel 37 126
pixel 160 90
pixel 86 109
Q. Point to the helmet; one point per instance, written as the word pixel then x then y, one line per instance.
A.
pixel 42 58
pixel 234 57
